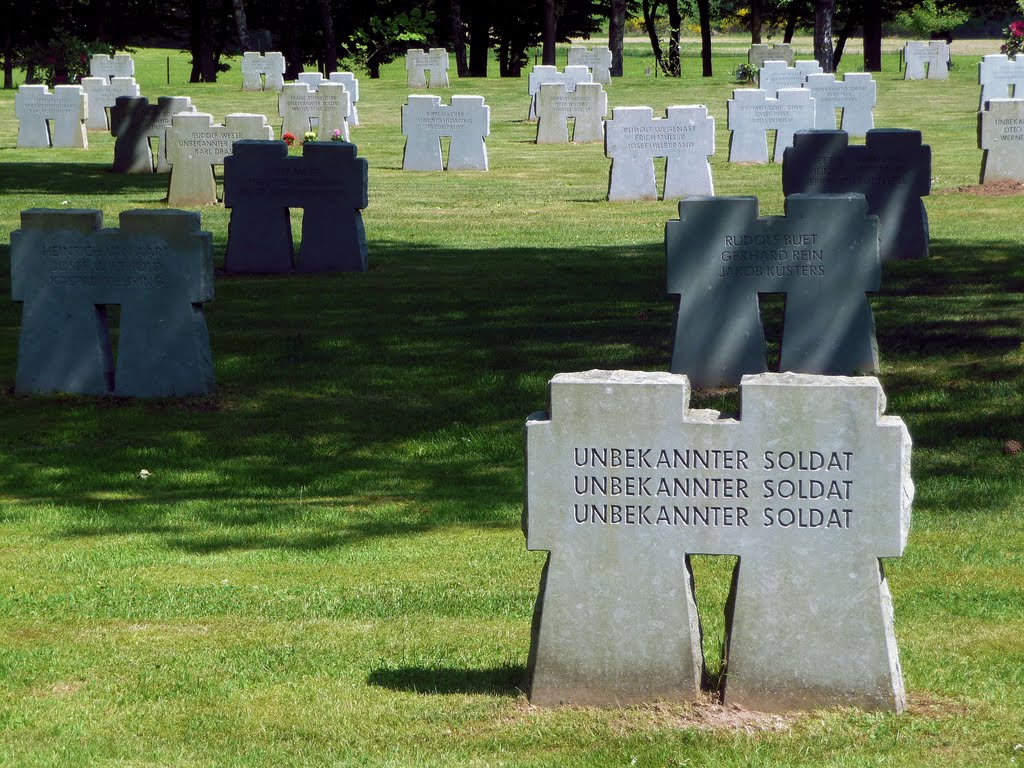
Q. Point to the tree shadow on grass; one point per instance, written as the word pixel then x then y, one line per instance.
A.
pixel 80 179
pixel 496 681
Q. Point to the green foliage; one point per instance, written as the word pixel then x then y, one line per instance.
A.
pixel 746 73
pixel 64 58
pixel 927 18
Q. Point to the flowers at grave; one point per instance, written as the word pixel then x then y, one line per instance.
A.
pixel 1014 35
pixel 746 73
pixel 336 135
pixel 308 136
pixel 289 138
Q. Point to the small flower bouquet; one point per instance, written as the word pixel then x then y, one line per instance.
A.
pixel 1014 39
pixel 288 138
pixel 336 136
pixel 308 136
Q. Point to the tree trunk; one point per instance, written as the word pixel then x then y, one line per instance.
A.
pixel 872 38
pixel 755 21
pixel 458 37
pixel 675 21
pixel 479 41
pixel 243 28
pixel 616 29
pixel 823 33
pixel 705 36
pixel 844 34
pixel 791 19
pixel 650 11
pixel 8 59
pixel 550 32
pixel 330 46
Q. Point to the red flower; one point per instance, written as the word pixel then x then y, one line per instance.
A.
pixel 289 138
pixel 1017 28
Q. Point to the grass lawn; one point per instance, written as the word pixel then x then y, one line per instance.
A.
pixel 326 565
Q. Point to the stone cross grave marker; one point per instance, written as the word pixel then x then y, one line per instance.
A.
pixel 120 65
pixel 892 169
pixel 102 96
pixel 195 144
pixel 419 62
pixel 66 106
pixel 134 122
pixel 257 66
pixel 261 182
pixel 597 59
pixel 1000 77
pixel 759 53
pixel 752 114
pixel 324 106
pixel 425 120
pixel 933 53
pixel 855 94
pixel 545 73
pixel 634 137
pixel 810 488
pixel 66 269
pixel 1001 135
pixel 823 255
pixel 351 83
pixel 587 105
pixel 775 75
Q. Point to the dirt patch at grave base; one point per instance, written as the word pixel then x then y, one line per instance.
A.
pixel 999 188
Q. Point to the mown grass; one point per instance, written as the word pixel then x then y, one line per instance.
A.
pixel 326 566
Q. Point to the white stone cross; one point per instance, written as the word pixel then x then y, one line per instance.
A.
pixel 425 120
pixel 67 106
pixel 300 104
pixel 419 62
pixel 351 83
pixel 775 75
pixel 1001 135
pixel 545 73
pixel 256 66
pixel 556 104
pixel 759 53
pixel 752 114
pixel 810 488
pixel 598 59
pixel 102 96
pixel 634 137
pixel 934 53
pixel 855 94
pixel 121 65
pixel 195 144
pixel 1000 77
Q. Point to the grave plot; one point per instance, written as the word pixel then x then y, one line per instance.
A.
pixel 134 123
pixel 427 68
pixel 1000 77
pixel 855 94
pixel 67 107
pixel 823 255
pixel 926 60
pixel 329 182
pixel 314 103
pixel 425 120
pixel 66 269
pixel 597 59
pixel 102 96
pixel 892 169
pixel 1001 135
pixel 556 105
pixel 775 75
pixel 752 114
pixel 810 488
pixel 760 53
pixel 118 65
pixel 262 72
pixel 544 73
pixel 195 145
pixel 634 137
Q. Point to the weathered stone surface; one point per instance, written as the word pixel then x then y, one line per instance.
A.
pixel 823 254
pixel 855 94
pixel 134 122
pixel 425 120
pixel 810 488
pixel 634 137
pixel 597 59
pixel 119 65
pixel 775 75
pixel 587 105
pixel 933 53
pixel 256 67
pixel 893 170
pixel 1001 135
pixel 351 83
pixel 314 103
pixel 66 106
pixel 545 73
pixel 195 144
pixel 752 114
pixel 102 96
pixel 1000 77
pixel 759 53
pixel 261 182
pixel 421 63
pixel 158 266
